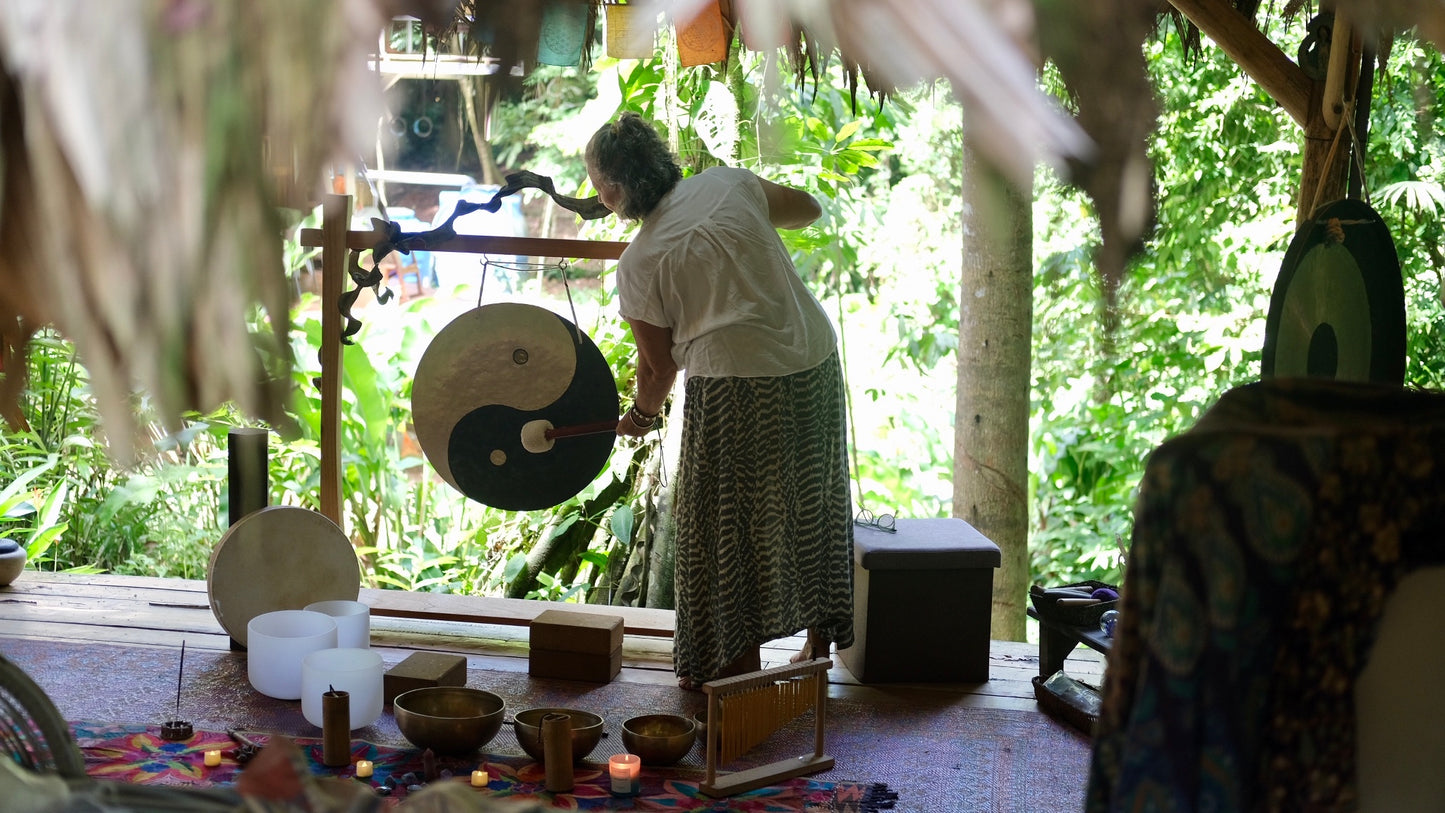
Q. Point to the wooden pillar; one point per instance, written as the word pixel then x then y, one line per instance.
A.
pixel 1326 166
pixel 335 222
pixel 1328 145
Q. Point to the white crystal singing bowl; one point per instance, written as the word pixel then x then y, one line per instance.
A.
pixel 276 644
pixel 353 621
pixel 358 672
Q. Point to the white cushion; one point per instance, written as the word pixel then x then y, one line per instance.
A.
pixel 1400 702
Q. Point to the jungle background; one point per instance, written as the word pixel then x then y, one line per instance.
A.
pixel 885 259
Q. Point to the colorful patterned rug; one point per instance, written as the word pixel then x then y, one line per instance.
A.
pixel 938 752
pixel 137 754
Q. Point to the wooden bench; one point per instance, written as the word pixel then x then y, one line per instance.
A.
pixel 507 611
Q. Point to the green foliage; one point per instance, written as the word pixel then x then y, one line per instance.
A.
pixel 1190 314
pixel 538 130
pixel 74 509
pixel 1405 178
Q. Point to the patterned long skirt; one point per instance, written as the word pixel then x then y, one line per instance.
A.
pixel 763 515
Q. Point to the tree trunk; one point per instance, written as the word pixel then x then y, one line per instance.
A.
pixel 560 554
pixel 478 122
pixel 991 417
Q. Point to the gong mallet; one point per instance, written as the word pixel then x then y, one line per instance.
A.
pixel 539 436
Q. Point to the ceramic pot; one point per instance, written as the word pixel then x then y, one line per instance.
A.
pixel 12 561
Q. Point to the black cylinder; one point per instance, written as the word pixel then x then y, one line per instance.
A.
pixel 336 728
pixel 247 482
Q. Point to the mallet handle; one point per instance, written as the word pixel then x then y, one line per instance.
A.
pixel 595 428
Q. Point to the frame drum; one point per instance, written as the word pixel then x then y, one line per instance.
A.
pixel 279 558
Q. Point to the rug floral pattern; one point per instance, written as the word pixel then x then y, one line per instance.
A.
pixel 137 754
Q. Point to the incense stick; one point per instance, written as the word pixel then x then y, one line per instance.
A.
pixel 179 673
pixel 178 729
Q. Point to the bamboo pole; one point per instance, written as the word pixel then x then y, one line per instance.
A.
pixel 487 244
pixel 335 222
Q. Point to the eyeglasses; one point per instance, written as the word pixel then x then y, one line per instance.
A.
pixel 883 522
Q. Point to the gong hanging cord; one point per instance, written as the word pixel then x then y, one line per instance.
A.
pixel 375 193
pixel 1359 161
pixel 1347 115
pixel 560 265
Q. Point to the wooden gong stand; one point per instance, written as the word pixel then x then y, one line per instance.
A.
pixel 335 238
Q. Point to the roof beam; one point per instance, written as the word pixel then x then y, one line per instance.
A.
pixel 1265 63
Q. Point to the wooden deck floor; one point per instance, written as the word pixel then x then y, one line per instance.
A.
pixel 154 612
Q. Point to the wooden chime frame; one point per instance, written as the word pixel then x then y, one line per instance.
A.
pixel 745 710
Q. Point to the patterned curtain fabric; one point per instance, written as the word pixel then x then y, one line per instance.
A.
pixel 1267 541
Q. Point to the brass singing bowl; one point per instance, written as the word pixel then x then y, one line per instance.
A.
pixel 659 739
pixel 700 723
pixel 586 731
pixel 448 719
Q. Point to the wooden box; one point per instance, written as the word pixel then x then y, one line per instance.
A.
pixel 423 669
pixel 567 631
pixel 556 663
pixel 575 646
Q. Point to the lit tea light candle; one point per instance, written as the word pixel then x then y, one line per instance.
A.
pixel 363 768
pixel 480 779
pixel 213 758
pixel 625 771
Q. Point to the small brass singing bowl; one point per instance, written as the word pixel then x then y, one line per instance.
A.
pixel 448 719
pixel 587 731
pixel 700 723
pixel 659 739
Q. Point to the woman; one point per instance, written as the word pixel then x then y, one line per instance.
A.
pixel 761 506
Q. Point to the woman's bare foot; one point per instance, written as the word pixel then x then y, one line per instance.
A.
pixel 745 663
pixel 815 647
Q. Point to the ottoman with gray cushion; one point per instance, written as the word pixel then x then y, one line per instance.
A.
pixel 922 603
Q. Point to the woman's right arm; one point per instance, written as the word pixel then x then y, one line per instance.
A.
pixel 656 372
pixel 790 207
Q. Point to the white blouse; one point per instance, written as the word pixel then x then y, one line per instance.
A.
pixel 708 264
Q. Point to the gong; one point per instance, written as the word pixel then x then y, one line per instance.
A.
pixel 1338 306
pixel 498 398
pixel 279 558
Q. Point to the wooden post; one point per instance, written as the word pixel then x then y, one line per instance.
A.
pixel 1325 169
pixel 1328 147
pixel 335 223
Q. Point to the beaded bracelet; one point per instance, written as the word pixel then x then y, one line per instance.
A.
pixel 640 418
